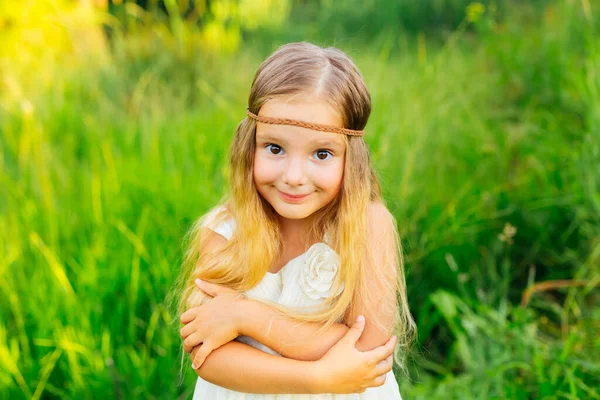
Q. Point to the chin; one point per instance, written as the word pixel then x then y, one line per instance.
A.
pixel 293 212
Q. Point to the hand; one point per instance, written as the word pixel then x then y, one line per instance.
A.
pixel 212 324
pixel 344 369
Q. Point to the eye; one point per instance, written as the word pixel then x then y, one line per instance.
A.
pixel 323 154
pixel 274 149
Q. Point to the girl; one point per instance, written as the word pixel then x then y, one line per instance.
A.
pixel 302 248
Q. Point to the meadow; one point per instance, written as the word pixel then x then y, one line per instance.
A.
pixel 485 132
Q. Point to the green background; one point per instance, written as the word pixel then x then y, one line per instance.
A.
pixel 115 120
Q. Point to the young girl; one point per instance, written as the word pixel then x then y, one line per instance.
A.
pixel 301 249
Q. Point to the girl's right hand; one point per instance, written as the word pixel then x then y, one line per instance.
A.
pixel 344 369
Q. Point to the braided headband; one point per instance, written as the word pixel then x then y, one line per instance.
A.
pixel 302 124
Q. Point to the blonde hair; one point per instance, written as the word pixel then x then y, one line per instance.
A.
pixel 299 69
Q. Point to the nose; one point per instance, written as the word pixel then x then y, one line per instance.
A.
pixel 294 174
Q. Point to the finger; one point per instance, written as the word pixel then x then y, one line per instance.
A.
pixel 189 346
pixel 188 316
pixel 355 330
pixel 211 289
pixel 387 362
pixel 187 349
pixel 384 351
pixel 204 352
pixel 186 331
pixel 385 366
pixel 379 381
pixel 192 341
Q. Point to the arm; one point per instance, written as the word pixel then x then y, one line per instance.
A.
pixel 343 369
pixel 240 367
pixel 302 340
pixel 290 338
pixel 381 277
pixel 229 315
pixel 307 341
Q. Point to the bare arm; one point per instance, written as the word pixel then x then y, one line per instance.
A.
pixel 228 315
pixel 240 367
pixel 380 277
pixel 304 341
pixel 343 369
pixel 307 340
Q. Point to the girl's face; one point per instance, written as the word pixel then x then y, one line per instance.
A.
pixel 298 170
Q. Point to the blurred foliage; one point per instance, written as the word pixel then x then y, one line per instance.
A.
pixel 215 26
pixel 115 119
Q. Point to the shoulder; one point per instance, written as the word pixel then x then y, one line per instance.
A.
pixel 211 241
pixel 379 217
pixel 381 235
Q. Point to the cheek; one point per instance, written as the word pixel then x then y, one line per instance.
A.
pixel 263 172
pixel 331 180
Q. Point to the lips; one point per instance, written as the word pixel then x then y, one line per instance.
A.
pixel 293 197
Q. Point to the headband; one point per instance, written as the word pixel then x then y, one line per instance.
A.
pixel 302 124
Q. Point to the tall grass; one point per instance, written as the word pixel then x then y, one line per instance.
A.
pixel 487 147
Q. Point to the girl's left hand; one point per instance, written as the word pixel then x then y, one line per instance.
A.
pixel 212 324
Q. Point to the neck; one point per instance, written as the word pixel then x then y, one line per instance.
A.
pixel 294 229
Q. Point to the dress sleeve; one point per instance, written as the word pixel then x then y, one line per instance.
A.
pixel 224 228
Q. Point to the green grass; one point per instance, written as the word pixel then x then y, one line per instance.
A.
pixel 107 156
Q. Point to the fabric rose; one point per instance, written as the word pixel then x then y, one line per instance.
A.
pixel 319 272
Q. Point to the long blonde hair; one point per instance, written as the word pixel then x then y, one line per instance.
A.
pixel 297 69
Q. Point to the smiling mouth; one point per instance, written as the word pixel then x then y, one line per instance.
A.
pixel 292 197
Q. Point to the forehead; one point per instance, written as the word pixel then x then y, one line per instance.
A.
pixel 307 109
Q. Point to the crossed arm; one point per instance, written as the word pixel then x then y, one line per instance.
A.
pixel 304 345
pixel 240 367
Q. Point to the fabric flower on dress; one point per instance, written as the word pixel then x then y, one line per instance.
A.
pixel 319 271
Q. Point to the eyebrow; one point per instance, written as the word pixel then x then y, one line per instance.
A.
pixel 270 138
pixel 328 143
pixel 320 143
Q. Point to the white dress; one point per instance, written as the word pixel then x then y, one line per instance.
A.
pixel 301 282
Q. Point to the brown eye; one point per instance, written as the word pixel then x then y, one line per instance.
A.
pixel 274 149
pixel 323 154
